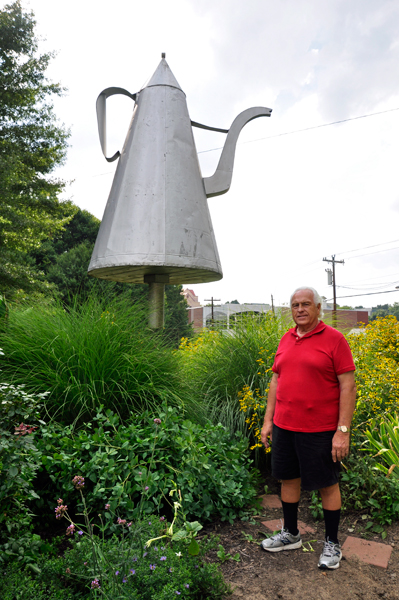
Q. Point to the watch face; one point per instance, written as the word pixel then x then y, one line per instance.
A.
pixel 343 428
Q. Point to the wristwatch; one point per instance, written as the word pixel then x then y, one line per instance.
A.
pixel 343 428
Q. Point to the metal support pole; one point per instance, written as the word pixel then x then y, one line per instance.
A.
pixel 334 312
pixel 156 300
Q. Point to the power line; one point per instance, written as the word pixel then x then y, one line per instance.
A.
pixel 369 294
pixel 371 253
pixel 269 137
pixel 367 247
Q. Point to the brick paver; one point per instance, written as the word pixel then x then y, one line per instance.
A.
pixel 373 553
pixel 275 525
pixel 271 501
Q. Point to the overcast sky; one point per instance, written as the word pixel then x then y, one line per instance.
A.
pixel 296 196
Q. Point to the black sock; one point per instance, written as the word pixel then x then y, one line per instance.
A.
pixel 290 512
pixel 331 520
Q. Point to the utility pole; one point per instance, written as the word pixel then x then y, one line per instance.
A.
pixel 331 281
pixel 212 300
pixel 274 314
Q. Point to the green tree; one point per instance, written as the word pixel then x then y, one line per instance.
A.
pixel 82 229
pixel 383 310
pixel 32 144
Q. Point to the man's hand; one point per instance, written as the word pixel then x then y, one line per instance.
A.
pixel 266 432
pixel 340 445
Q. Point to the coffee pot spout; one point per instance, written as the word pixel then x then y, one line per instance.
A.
pixel 219 183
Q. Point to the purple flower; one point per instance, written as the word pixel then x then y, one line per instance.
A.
pixel 60 510
pixel 162 519
pixel 163 558
pixel 121 521
pixel 145 554
pixel 153 567
pixel 133 572
pixel 156 549
pixel 149 522
pixel 157 421
pixel 85 563
pixel 116 572
pixel 170 570
pixel 124 580
pixel 147 488
pixel 107 506
pixel 80 532
pixel 78 482
pixel 95 584
pixel 135 558
pixel 70 530
pixel 186 585
pixel 178 593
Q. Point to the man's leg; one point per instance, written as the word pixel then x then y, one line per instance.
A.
pixel 290 494
pixel 331 502
pixel 289 538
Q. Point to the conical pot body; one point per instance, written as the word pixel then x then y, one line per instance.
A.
pixel 157 221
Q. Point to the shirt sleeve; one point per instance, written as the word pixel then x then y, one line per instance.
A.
pixel 342 357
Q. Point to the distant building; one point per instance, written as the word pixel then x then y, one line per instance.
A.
pixel 192 299
pixel 224 315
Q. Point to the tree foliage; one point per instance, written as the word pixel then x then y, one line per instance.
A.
pixel 32 144
pixel 384 310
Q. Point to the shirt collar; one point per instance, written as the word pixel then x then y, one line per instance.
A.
pixel 319 327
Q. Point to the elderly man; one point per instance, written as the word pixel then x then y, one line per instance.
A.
pixel 308 416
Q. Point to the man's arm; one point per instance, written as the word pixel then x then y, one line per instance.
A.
pixel 347 401
pixel 271 405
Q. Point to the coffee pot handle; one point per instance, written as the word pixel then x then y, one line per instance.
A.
pixel 102 117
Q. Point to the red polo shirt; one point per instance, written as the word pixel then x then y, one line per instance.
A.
pixel 308 387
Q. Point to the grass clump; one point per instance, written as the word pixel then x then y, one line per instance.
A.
pixel 219 367
pixel 91 354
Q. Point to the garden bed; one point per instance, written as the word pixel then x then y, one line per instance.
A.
pixel 294 575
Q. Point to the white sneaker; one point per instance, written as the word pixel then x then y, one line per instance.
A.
pixel 331 555
pixel 282 541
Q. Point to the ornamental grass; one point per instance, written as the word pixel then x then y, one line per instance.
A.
pixel 96 353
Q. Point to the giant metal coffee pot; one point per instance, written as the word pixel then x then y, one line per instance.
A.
pixel 156 227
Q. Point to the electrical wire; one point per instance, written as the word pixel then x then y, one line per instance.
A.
pixel 371 253
pixel 366 247
pixel 369 294
pixel 269 137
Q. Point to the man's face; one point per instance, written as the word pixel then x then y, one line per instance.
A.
pixel 304 310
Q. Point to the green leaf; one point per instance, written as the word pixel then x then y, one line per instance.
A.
pixel 193 548
pixel 179 535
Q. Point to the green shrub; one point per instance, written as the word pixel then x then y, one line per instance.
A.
pixel 122 569
pixel 19 459
pixel 366 489
pixel 209 465
pixel 229 372
pixel 17 584
pixel 160 572
pixel 95 353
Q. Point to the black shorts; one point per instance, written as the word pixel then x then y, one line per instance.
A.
pixel 305 455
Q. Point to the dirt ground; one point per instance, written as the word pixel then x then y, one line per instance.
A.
pixel 293 574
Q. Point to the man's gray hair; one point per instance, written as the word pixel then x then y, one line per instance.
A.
pixel 316 296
